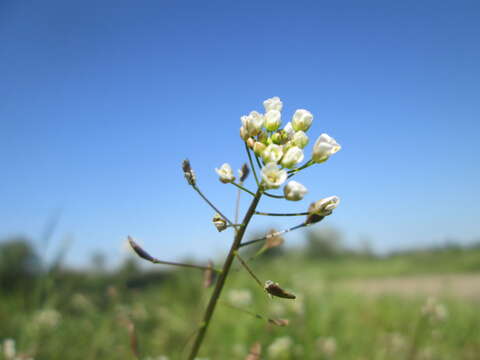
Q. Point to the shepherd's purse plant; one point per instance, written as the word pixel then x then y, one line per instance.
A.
pixel 275 156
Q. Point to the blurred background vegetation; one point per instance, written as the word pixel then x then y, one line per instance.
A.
pixel 351 304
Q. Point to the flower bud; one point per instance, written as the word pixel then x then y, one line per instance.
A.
pixel 272 176
pixel 250 143
pixel 219 222
pixel 280 137
pixel 272 153
pixel 289 130
pixel 293 156
pixel 324 207
pixel 243 172
pixel 226 174
pixel 274 289
pixel 273 103
pixel 294 191
pixel 252 123
pixel 243 133
pixel 302 119
pixel 300 139
pixel 324 147
pixel 273 119
pixel 263 137
pixel 188 172
pixel 258 148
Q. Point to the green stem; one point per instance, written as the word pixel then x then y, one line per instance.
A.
pixel 251 164
pixel 274 196
pixel 272 235
pixel 250 271
pixel 244 189
pixel 280 214
pixel 211 205
pixel 304 166
pixel 223 277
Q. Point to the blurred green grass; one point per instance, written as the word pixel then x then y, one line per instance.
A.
pixel 76 315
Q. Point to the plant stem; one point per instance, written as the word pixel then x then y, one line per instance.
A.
pixel 244 189
pixel 211 205
pixel 280 214
pixel 272 235
pixel 250 271
pixel 223 276
pixel 251 164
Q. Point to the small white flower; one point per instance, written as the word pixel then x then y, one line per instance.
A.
pixel 302 119
pixel 289 130
pixel 280 347
pixel 273 103
pixel 258 148
pixel 300 139
pixel 244 134
pixel 324 147
pixel 325 206
pixel 272 176
pixel 272 153
pixel 273 119
pixel 293 156
pixel 252 123
pixel 48 318
pixel 226 173
pixel 327 345
pixel 294 191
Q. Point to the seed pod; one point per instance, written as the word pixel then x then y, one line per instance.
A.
pixel 274 289
pixel 255 352
pixel 140 252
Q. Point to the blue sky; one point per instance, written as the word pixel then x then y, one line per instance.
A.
pixel 100 102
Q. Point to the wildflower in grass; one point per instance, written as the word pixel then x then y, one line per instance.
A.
pixel 272 153
pixel 9 348
pixel 81 302
pixel 302 119
pixel 48 318
pixel 280 348
pixel 327 346
pixel 294 191
pixel 434 310
pixel 293 156
pixel 324 147
pixel 273 103
pixel 240 297
pixel 272 176
pixel 226 173
pixel 273 119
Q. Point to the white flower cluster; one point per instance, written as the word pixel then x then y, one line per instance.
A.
pixel 281 150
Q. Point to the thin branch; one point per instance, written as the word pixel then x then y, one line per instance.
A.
pixel 211 205
pixel 304 166
pixel 250 271
pixel 278 322
pixel 242 188
pixel 272 235
pixel 280 214
pixel 146 256
pixel 251 164
pixel 274 196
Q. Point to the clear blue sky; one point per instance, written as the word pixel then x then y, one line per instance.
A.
pixel 101 100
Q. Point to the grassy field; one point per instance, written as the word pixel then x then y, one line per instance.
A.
pixel 335 316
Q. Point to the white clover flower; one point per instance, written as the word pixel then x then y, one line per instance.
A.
pixel 292 157
pixel 273 119
pixel 272 153
pixel 294 191
pixel 325 206
pixel 240 297
pixel 300 139
pixel 272 176
pixel 226 173
pixel 289 130
pixel 280 347
pixel 273 103
pixel 252 123
pixel 324 147
pixel 302 119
